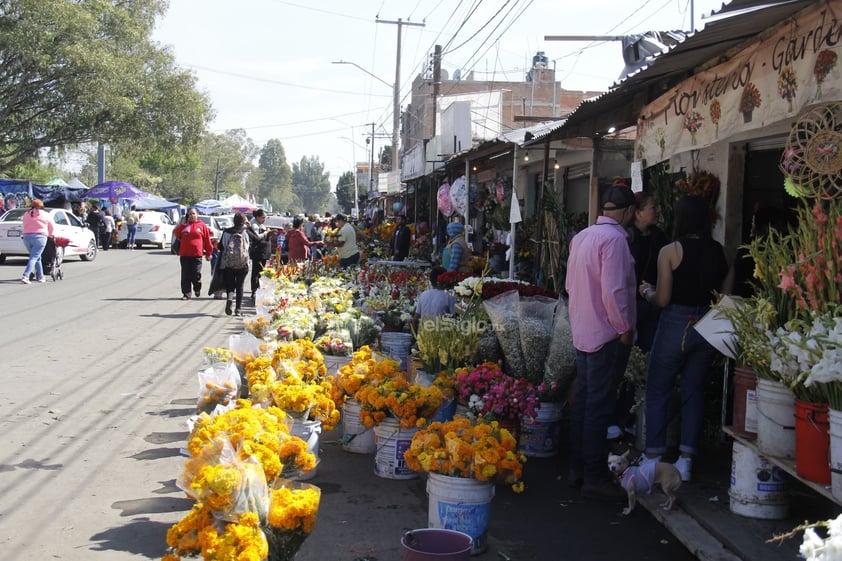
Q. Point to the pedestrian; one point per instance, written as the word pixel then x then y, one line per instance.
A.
pixel 645 242
pixel 601 288
pixel 194 243
pixel 109 226
pixel 434 301
pixel 94 220
pixel 37 227
pixel 346 247
pixel 310 226
pixel 131 218
pixel 690 272
pixel 260 246
pixel 401 239
pixel 298 246
pixel 456 253
pixel 234 261
pixel 317 251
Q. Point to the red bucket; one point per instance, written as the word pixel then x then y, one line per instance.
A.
pixel 812 441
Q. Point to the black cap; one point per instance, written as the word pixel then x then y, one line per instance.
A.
pixel 617 197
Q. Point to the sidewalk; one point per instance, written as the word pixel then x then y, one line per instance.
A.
pixel 704 523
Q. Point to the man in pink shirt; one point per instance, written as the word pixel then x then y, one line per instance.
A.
pixel 602 306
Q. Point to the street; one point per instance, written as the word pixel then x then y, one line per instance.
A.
pixel 99 377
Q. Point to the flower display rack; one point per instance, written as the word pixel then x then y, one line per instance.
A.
pixel 785 464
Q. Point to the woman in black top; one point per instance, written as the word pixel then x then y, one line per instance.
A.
pixel 690 271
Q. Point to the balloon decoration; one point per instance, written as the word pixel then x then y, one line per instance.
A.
pixel 443 197
pixel 459 196
pixel 397 206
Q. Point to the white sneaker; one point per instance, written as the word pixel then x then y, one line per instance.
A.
pixel 684 464
pixel 614 432
pixel 25 280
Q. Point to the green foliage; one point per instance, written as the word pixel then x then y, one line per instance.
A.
pixel 345 192
pixel 275 176
pixel 311 183
pixel 87 71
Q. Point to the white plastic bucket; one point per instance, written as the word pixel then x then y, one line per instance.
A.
pixel 835 452
pixel 356 437
pixel 390 443
pixel 333 363
pixel 396 345
pixel 758 488
pixel 462 504
pixel 540 436
pixel 775 419
pixel 310 432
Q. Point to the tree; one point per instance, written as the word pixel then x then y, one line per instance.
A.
pixel 275 176
pixel 345 192
pixel 87 71
pixel 311 183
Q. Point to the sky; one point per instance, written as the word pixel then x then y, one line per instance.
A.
pixel 267 65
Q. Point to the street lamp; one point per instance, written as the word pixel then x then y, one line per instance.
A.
pixel 395 109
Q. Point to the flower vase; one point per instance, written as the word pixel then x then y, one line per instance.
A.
pixel 812 441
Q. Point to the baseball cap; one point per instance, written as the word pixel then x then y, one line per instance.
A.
pixel 617 197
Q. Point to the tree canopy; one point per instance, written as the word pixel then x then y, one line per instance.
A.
pixel 311 183
pixel 87 71
pixel 345 192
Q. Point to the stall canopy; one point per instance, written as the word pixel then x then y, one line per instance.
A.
pixel 153 202
pixel 238 203
pixel 210 206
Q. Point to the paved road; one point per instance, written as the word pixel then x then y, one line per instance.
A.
pixel 98 378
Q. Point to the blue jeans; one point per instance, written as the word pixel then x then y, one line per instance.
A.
pixel 131 230
pixel 677 349
pixel 35 244
pixel 597 376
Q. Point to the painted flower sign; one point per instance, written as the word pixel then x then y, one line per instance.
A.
pixel 788 85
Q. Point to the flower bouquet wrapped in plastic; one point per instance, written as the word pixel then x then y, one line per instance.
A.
pixel 219 385
pixel 560 366
pixel 502 310
pixel 293 508
pixel 535 325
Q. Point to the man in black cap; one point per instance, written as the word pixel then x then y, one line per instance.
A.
pixel 602 307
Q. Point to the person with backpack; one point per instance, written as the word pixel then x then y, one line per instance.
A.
pixel 234 261
pixel 194 243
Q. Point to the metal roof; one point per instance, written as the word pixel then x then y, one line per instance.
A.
pixel 741 21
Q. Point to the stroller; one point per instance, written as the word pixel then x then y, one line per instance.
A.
pixel 52 257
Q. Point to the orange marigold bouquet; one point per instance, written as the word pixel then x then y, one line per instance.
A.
pixel 395 397
pixel 363 368
pixel 461 448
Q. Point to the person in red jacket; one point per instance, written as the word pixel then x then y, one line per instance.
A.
pixel 297 243
pixel 195 243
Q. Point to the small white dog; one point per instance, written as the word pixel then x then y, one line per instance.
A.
pixel 642 479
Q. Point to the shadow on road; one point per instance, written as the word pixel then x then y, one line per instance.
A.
pixel 142 537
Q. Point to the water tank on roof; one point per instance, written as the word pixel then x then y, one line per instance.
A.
pixel 444 74
pixel 457 74
pixel 540 60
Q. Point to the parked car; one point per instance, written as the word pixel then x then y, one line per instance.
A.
pixel 225 221
pixel 215 228
pixel 65 225
pixel 153 228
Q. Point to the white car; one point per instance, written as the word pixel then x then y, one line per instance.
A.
pixel 65 225
pixel 153 228
pixel 215 227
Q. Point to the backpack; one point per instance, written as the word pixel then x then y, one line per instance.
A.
pixel 235 254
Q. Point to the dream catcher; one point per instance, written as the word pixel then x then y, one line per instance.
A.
pixel 812 161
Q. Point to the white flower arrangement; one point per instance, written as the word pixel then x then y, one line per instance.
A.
pixel 816 548
pixel 471 287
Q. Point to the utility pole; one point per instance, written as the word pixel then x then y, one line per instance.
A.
pixel 371 162
pixel 216 181
pixel 436 83
pixel 396 105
